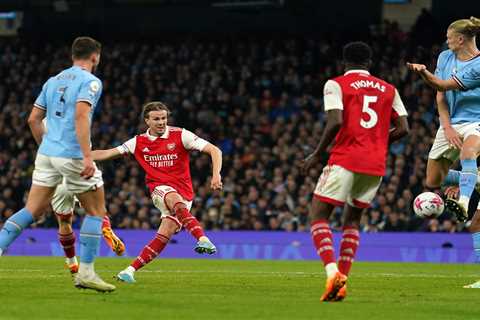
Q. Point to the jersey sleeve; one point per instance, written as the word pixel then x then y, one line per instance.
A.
pixel 469 77
pixel 192 142
pixel 90 91
pixel 128 146
pixel 41 101
pixel 332 96
pixel 440 65
pixel 399 109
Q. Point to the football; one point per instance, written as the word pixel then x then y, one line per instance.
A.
pixel 428 205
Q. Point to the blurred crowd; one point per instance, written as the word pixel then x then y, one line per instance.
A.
pixel 259 100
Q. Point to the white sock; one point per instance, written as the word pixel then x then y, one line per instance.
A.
pixel 331 269
pixel 203 238
pixel 1 252
pixel 130 269
pixel 86 268
pixel 72 260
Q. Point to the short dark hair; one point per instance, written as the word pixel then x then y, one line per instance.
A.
pixel 154 106
pixel 83 47
pixel 357 53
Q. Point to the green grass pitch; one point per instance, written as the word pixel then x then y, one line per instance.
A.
pixel 39 288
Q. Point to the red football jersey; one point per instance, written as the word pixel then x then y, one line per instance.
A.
pixel 369 104
pixel 166 159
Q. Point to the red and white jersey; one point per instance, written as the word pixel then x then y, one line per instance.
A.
pixel 369 104
pixel 166 159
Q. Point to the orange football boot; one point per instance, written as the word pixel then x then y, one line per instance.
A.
pixel 333 286
pixel 113 241
pixel 342 293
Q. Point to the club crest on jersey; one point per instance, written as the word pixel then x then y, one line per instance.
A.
pixel 171 146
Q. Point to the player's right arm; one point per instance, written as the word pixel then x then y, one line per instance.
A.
pixel 35 123
pixel 108 154
pixel 38 114
pixel 332 95
pixel 450 133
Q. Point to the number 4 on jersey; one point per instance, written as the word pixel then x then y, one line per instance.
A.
pixel 367 100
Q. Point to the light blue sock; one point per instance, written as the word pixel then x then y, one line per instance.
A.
pixel 476 245
pixel 468 178
pixel 90 235
pixel 452 178
pixel 14 226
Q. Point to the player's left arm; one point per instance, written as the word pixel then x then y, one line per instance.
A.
pixel 400 122
pixel 192 142
pixel 35 122
pixel 433 81
pixel 216 156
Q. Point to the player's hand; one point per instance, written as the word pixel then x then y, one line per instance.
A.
pixel 453 137
pixel 216 182
pixel 88 168
pixel 416 67
pixel 309 162
pixel 452 192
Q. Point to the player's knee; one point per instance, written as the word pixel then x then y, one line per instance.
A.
pixel 468 153
pixel 433 182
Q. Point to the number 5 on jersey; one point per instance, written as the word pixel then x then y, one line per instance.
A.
pixel 373 117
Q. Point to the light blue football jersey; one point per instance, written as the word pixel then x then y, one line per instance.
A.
pixel 464 104
pixel 59 97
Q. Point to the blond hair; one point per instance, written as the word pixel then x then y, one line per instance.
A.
pixel 467 27
pixel 154 106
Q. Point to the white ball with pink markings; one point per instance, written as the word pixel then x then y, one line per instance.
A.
pixel 428 205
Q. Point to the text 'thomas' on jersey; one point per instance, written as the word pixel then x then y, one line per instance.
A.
pixel 369 104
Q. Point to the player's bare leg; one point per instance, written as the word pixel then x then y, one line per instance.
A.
pixel 112 240
pixel 90 233
pixel 66 237
pixel 323 242
pixel 38 200
pixel 175 201
pixel 167 229
pixel 349 244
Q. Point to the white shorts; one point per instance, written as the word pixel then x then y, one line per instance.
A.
pixel 338 185
pixel 441 148
pixel 50 171
pixel 63 201
pixel 158 198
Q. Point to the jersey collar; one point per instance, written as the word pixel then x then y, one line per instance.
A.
pixel 357 71
pixel 163 136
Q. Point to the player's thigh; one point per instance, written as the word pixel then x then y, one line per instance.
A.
pixel 442 149
pixel 334 185
pixel 437 170
pixel 38 200
pixel 63 200
pixel 93 201
pixel 164 198
pixel 364 189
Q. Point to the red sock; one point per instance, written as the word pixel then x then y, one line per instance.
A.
pixel 68 243
pixel 323 240
pixel 150 251
pixel 189 222
pixel 348 248
pixel 106 222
